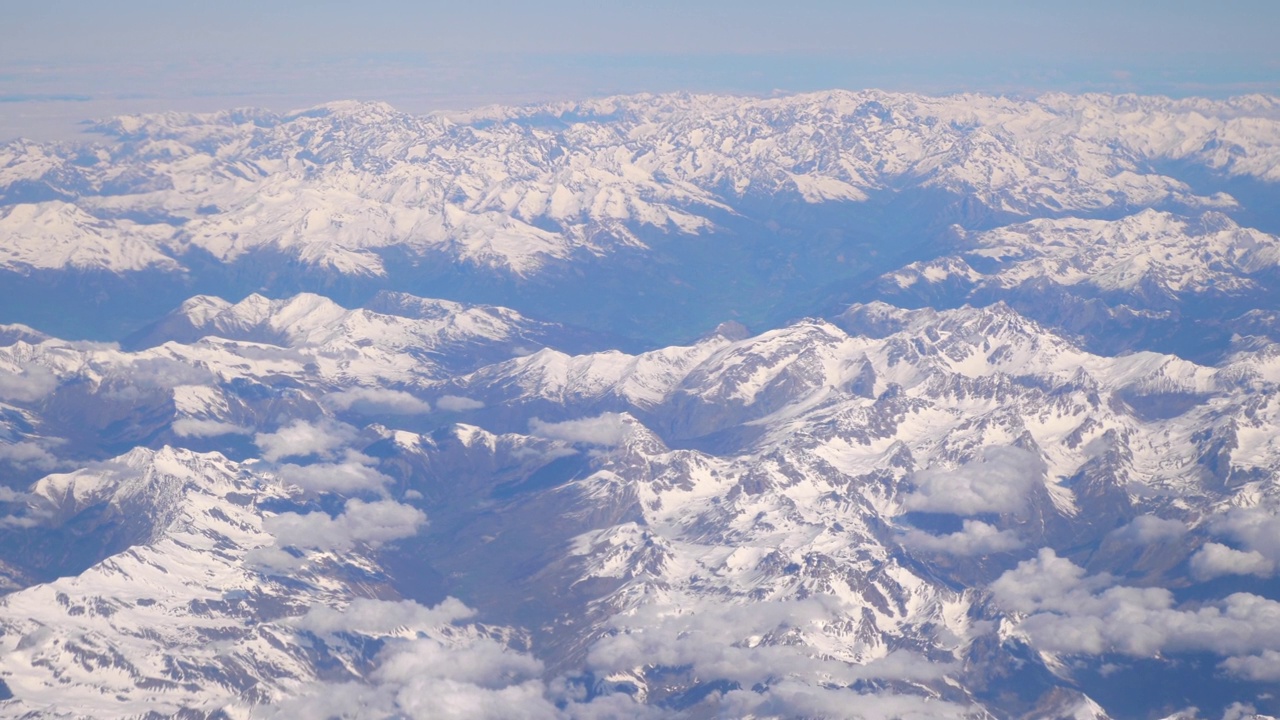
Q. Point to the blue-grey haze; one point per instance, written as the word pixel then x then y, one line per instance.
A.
pixel 62 61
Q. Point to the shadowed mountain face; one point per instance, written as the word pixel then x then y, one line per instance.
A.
pixel 834 405
pixel 653 218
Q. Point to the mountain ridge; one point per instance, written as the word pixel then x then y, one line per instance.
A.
pixel 838 404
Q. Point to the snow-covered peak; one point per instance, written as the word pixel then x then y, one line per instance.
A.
pixel 17 332
pixel 349 110
pixel 519 190
pixel 56 235
pixel 645 380
pixel 148 490
pixel 908 512
pixel 1209 252
pixel 393 322
pixel 202 309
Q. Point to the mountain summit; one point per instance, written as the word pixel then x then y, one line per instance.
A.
pixel 844 404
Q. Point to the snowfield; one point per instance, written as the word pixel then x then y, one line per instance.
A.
pixel 1016 458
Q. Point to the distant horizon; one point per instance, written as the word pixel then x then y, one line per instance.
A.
pixel 74 97
pixel 66 61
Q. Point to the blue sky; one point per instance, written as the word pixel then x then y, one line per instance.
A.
pixel 63 59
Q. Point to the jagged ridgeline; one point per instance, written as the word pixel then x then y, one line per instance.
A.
pixel 658 217
pixel 833 405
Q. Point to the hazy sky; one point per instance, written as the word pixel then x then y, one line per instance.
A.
pixel 63 59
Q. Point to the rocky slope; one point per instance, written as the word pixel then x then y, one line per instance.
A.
pixel 999 441
pixel 780 525
pixel 704 206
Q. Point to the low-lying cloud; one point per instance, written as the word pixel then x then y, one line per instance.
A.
pixel 1148 529
pixel 353 474
pixel 29 384
pixel 371 524
pixel 607 430
pixel 444 673
pixel 998 483
pixel 1068 612
pixel 1256 530
pixel 455 403
pixel 1215 559
pixel 157 373
pixel 974 538
pixel 301 438
pixel 717 641
pixel 381 617
pixel 195 427
pixel 376 401
pixel 721 641
pixel 27 454
pixel 1264 667
pixel 790 698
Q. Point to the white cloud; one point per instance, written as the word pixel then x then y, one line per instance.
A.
pixel 8 495
pixel 454 403
pixel 156 373
pixel 272 559
pixel 1042 581
pixel 21 521
pixel 1147 529
pixel 789 698
pixel 998 483
pixel 435 694
pixel 30 383
pixel 376 401
pixel 759 645
pixel 607 430
pixel 360 522
pixel 724 642
pixel 975 538
pixel 31 516
pixel 1068 612
pixel 301 438
pixel 353 474
pixel 611 707
pixel 714 638
pixel 268 353
pixel 380 617
pixel 486 663
pixel 1256 529
pixel 1240 711
pixel 336 700
pixel 1215 559
pixel 438 675
pixel 193 427
pixel 901 665
pixel 93 345
pixel 1264 667
pixel 27 454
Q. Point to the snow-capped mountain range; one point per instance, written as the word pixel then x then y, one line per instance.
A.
pixel 516 189
pixel 997 440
